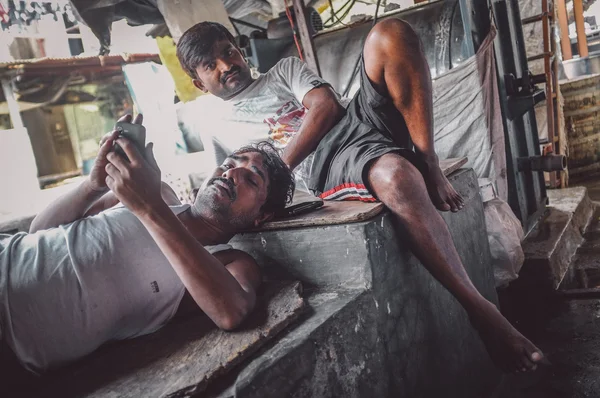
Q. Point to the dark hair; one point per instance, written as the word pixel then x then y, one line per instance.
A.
pixel 197 42
pixel 281 179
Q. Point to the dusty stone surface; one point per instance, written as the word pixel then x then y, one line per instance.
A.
pixel 573 200
pixel 568 332
pixel 551 246
pixel 180 359
pixel 398 326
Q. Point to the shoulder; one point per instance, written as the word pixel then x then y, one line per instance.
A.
pixel 286 65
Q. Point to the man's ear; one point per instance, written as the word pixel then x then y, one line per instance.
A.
pixel 263 218
pixel 199 85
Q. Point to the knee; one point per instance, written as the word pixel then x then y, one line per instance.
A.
pixel 395 180
pixel 392 34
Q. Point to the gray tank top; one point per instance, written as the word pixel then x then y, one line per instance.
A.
pixel 68 290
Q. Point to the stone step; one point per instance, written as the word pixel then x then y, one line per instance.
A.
pixel 585 270
pixel 550 247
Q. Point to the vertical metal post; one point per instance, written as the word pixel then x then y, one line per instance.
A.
pixel 579 24
pixel 308 48
pixel 527 190
pixel 13 106
pixel 565 42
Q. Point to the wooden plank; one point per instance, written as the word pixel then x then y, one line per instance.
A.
pixel 449 166
pixel 180 359
pixel 308 47
pixel 343 212
pixel 331 213
pixel 565 42
pixel 580 27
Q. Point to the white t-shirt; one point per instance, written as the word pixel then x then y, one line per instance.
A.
pixel 67 290
pixel 270 109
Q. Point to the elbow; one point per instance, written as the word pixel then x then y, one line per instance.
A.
pixel 337 110
pixel 35 226
pixel 232 319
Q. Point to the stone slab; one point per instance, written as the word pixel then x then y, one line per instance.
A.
pixel 549 249
pixel 575 201
pixel 398 334
pixel 180 359
pixel 551 246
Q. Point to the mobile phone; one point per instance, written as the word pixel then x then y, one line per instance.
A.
pixel 300 208
pixel 136 133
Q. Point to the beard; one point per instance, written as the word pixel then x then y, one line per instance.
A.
pixel 220 211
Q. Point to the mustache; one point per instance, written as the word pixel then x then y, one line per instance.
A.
pixel 234 69
pixel 229 183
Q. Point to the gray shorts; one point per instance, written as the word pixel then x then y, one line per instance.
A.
pixel 371 128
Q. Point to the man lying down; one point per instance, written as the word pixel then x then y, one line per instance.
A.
pixel 87 274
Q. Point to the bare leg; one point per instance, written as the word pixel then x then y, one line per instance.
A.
pixel 400 186
pixel 395 64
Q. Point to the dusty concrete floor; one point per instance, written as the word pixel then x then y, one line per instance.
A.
pixel 567 330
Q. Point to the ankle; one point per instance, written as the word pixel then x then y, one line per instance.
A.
pixel 480 307
pixel 429 158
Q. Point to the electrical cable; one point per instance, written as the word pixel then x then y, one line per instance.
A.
pixel 334 14
pixel 237 31
pixel 289 15
pixel 357 64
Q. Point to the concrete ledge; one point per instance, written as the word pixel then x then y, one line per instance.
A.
pixel 550 247
pixel 401 334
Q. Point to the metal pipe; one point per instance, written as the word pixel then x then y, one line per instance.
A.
pixel 542 163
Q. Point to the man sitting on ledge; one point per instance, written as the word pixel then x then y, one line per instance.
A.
pixel 380 147
pixel 78 280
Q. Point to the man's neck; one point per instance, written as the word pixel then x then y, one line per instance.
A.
pixel 205 230
pixel 251 81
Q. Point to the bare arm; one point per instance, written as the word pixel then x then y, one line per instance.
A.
pixel 78 202
pixel 324 113
pixel 110 199
pixel 66 209
pixel 226 295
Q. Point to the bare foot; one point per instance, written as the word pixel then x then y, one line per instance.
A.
pixel 508 348
pixel 441 192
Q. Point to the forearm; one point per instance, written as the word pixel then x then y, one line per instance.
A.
pixel 67 208
pixel 317 123
pixel 210 284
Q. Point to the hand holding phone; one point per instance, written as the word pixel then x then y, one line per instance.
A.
pixel 134 132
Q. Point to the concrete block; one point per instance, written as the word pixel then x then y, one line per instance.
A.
pixel 550 247
pixel 399 330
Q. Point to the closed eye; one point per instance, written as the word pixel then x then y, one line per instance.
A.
pixel 252 181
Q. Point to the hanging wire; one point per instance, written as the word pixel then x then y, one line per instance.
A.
pixel 237 31
pixel 289 15
pixel 334 13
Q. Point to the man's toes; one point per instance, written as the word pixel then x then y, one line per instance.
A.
pixel 443 207
pixel 527 363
